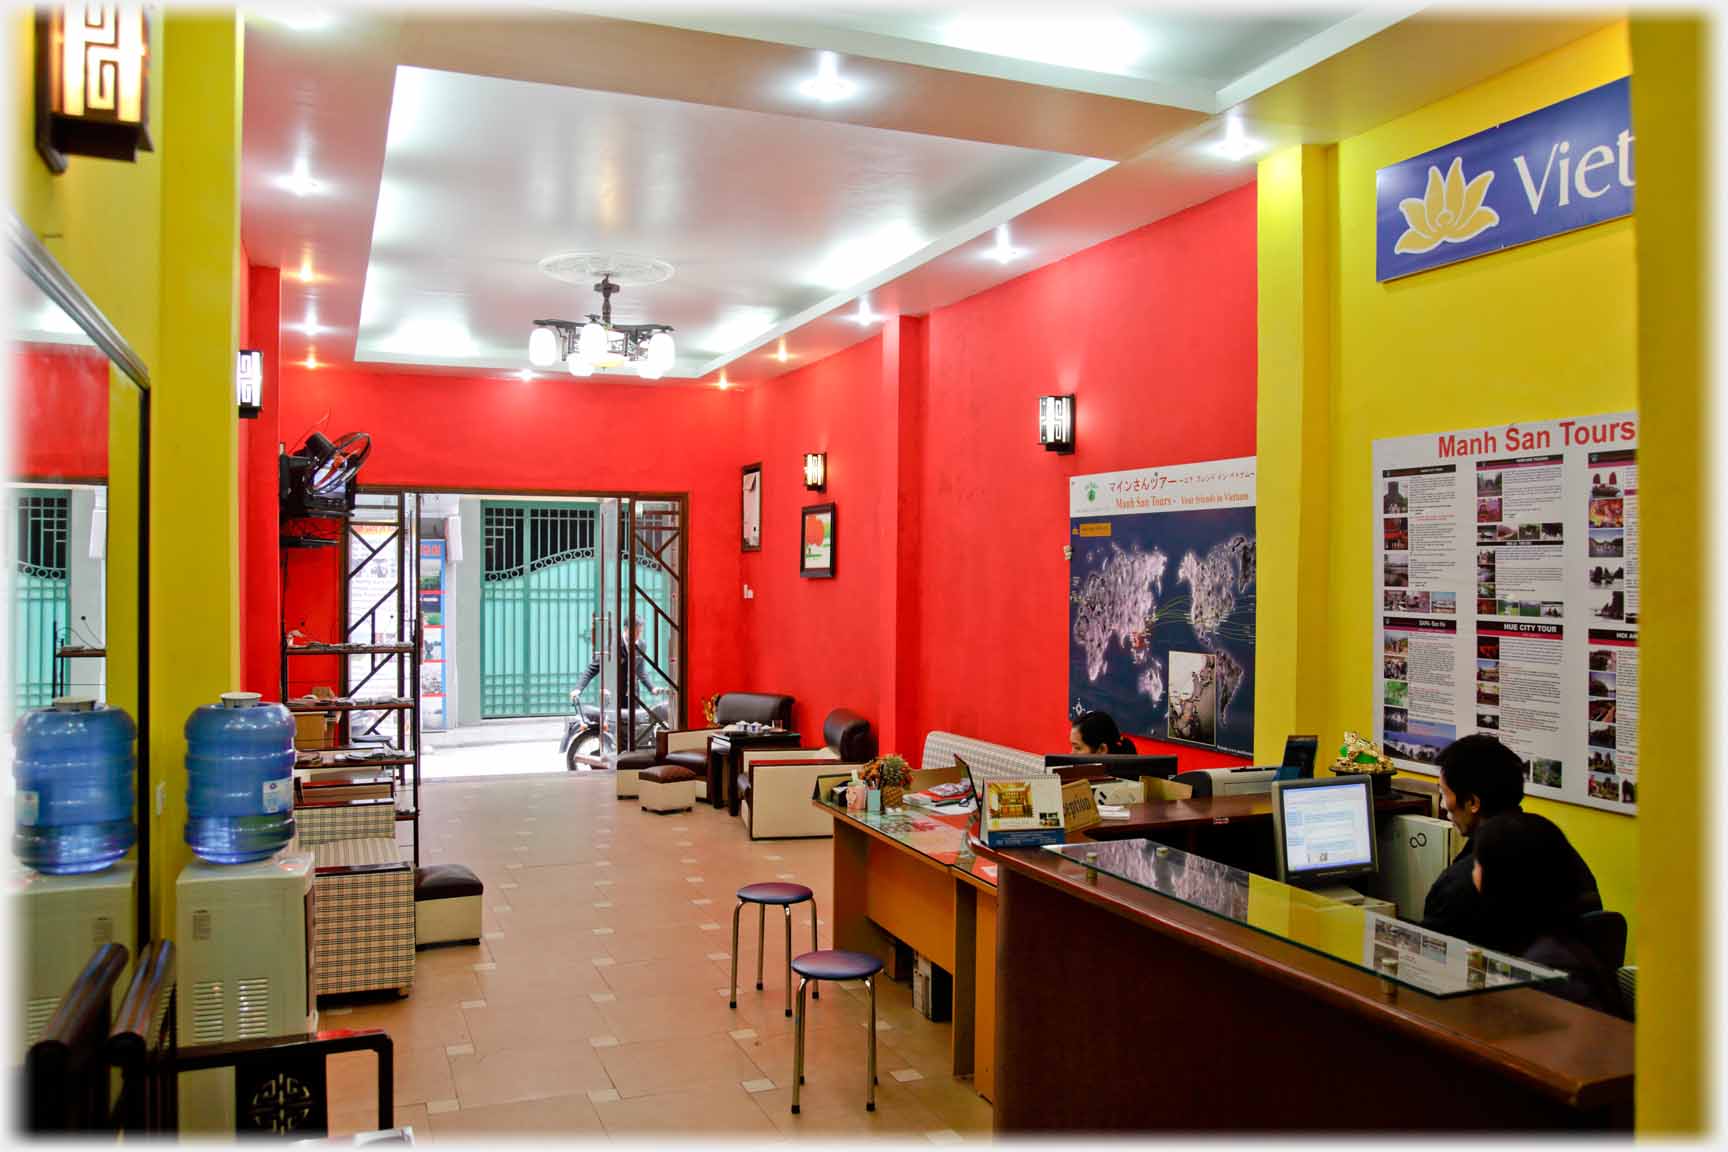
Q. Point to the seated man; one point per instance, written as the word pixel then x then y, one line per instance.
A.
pixel 649 695
pixel 1525 874
pixel 1481 778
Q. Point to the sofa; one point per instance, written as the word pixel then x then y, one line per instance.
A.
pixel 987 760
pixel 775 784
pixel 688 747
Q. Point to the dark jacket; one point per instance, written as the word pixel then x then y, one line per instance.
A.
pixel 1589 981
pixel 640 663
pixel 1454 907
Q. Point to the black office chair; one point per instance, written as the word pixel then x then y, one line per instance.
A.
pixel 1605 934
pixel 1299 754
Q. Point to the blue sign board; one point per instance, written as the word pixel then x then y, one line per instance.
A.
pixel 1564 167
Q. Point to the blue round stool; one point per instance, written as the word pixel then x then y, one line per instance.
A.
pixel 762 895
pixel 834 964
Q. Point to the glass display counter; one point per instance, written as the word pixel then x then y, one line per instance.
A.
pixel 1390 948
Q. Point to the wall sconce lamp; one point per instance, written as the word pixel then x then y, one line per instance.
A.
pixel 816 471
pixel 92 81
pixel 1056 423
pixel 249 383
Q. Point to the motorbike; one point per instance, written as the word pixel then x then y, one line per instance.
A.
pixel 585 739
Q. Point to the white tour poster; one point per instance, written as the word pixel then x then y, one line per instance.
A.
pixel 1507 600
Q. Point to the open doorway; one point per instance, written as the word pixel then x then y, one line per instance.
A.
pixel 552 628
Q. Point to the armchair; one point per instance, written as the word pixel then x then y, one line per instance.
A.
pixel 365 896
pixel 688 747
pixel 774 785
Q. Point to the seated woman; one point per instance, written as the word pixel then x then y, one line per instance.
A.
pixel 1480 778
pixel 1096 734
pixel 1524 872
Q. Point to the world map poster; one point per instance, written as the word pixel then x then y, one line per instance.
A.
pixel 1161 598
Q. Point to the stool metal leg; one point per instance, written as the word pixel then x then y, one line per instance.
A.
pixel 870 1100
pixel 733 1002
pixel 787 908
pixel 761 935
pixel 798 1045
pixel 816 992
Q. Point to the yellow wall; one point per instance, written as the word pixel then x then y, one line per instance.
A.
pixel 1548 330
pixel 1675 993
pixel 194 558
pixel 109 223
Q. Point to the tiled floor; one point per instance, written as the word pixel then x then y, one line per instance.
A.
pixel 596 1005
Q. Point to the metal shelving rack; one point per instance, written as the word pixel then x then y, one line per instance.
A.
pixel 367 707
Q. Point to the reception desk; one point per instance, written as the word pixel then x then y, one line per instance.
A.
pixel 904 875
pixel 1119 1009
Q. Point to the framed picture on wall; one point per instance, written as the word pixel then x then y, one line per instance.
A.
pixel 816 542
pixel 752 496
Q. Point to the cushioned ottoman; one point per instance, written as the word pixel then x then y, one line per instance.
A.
pixel 630 766
pixel 446 905
pixel 667 788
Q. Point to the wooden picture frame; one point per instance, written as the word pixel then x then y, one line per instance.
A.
pixel 816 557
pixel 750 498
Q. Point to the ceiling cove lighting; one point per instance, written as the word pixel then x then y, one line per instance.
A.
pixel 1004 251
pixel 1056 423
pixel 828 86
pixel 1094 42
pixel 601 344
pixel 816 471
pixel 1237 144
pixel 91 82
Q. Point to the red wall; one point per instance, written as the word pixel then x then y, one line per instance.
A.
pixel 260 573
pixel 818 639
pixel 59 420
pixel 1155 332
pixel 553 434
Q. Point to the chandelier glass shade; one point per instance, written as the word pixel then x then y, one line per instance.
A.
pixel 600 344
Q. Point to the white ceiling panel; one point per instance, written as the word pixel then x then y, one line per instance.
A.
pixel 762 217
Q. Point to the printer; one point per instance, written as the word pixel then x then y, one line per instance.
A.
pixel 1252 781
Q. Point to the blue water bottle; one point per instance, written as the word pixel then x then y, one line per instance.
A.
pixel 73 771
pixel 239 779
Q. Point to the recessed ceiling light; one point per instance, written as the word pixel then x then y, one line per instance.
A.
pixel 827 86
pixel 781 354
pixel 1004 251
pixel 310 325
pixel 306 275
pixel 311 360
pixel 723 383
pixel 525 375
pixel 1237 144
pixel 300 181
pixel 864 316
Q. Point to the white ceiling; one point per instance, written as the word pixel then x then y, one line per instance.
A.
pixel 452 152
pixel 763 217
pixel 1184 57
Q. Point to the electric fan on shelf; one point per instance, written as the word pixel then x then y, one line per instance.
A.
pixel 319 479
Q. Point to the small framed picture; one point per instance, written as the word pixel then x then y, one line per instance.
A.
pixel 752 496
pixel 816 551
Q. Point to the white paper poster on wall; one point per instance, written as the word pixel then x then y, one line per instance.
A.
pixel 1507 600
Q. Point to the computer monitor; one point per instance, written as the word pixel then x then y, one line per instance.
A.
pixel 1121 767
pixel 1299 756
pixel 1324 829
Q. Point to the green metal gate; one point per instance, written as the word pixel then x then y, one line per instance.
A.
pixel 41 583
pixel 539 596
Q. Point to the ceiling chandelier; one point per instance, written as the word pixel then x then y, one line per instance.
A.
pixel 601 344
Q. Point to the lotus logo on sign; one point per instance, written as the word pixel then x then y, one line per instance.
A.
pixel 1565 167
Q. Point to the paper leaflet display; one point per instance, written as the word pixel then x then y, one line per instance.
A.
pixel 1023 813
pixel 1507 600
